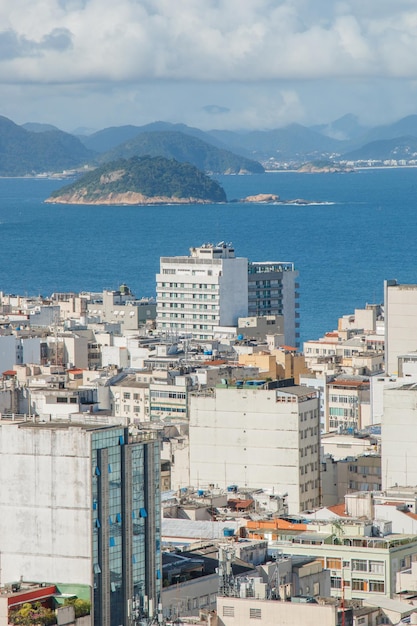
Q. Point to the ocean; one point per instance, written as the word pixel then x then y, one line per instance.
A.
pixel 361 230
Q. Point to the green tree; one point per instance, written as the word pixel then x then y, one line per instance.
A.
pixel 81 607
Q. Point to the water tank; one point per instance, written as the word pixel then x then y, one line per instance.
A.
pixel 228 532
pixel 200 492
pixel 240 337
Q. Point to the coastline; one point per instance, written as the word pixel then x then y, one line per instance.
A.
pixel 351 171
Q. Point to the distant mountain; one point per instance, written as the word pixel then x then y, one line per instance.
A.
pixel 23 152
pixel 184 148
pixel 82 131
pixel 405 127
pixel 109 138
pixel 35 127
pixel 141 180
pixel 397 148
pixel 292 142
pixel 345 128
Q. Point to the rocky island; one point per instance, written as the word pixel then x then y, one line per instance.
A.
pixel 271 198
pixel 323 167
pixel 142 181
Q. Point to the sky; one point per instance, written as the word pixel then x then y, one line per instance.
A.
pixel 226 64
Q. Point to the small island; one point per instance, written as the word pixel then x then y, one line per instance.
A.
pixel 323 167
pixel 271 198
pixel 141 181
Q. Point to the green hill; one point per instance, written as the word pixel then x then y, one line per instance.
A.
pixel 184 148
pixel 23 152
pixel 141 180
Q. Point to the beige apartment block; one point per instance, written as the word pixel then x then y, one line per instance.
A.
pixel 260 437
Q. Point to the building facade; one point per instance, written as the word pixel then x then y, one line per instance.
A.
pixel 81 505
pixel 259 437
pixel 400 322
pixel 399 436
pixel 197 293
pixel 212 288
pixel 360 566
pixel 272 290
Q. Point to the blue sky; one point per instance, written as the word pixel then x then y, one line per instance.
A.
pixel 207 63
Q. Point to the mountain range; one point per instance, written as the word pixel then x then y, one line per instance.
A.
pixel 35 148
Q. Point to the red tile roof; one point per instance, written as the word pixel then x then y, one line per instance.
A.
pixel 338 509
pixel 9 373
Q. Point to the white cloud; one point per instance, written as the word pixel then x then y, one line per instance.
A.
pixel 215 40
pixel 136 52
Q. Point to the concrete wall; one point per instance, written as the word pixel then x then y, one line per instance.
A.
pixel 8 352
pixel 247 437
pixel 45 526
pixel 400 322
pixel 399 437
pixel 232 611
pixel 233 291
pixel 187 598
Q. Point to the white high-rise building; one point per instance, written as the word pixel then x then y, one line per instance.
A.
pixel 265 437
pixel 198 293
pixel 400 308
pixel 399 436
pixel 212 288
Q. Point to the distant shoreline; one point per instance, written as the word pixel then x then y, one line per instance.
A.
pixel 352 170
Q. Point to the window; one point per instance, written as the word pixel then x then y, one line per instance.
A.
pixel 359 565
pixel 376 586
pixel 335 582
pixel 376 567
pixel 359 585
pixel 62 400
pixel 228 611
pixel 333 563
pixel 126 395
pixel 255 614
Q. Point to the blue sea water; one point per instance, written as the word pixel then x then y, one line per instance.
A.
pixel 362 230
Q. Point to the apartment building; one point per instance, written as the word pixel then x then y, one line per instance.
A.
pixel 348 403
pixel 272 290
pixel 212 288
pixel 197 293
pixel 360 565
pixel 399 436
pixel 258 435
pixel 81 505
pixel 400 322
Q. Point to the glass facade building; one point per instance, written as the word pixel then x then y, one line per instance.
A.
pixel 126 539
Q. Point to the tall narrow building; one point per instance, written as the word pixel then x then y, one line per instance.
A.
pixel 272 290
pixel 400 311
pixel 80 505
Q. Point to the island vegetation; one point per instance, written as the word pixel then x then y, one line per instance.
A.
pixel 141 180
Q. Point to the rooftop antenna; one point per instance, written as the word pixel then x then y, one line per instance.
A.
pixel 226 578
